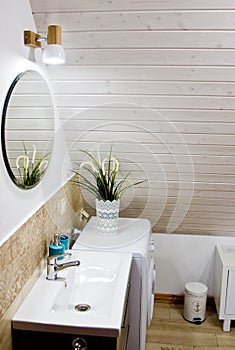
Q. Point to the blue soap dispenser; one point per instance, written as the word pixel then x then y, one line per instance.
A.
pixel 56 247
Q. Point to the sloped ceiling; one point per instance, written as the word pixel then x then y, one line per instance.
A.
pixel 156 80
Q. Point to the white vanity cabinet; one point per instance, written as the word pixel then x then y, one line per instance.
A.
pixel 224 284
pixel 86 307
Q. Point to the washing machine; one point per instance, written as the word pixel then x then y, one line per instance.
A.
pixel 133 236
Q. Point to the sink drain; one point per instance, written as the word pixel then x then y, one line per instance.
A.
pixel 82 307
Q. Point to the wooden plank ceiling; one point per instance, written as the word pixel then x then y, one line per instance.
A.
pixel 157 80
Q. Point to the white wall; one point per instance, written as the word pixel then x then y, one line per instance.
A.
pixel 185 258
pixel 160 75
pixel 157 79
pixel 17 205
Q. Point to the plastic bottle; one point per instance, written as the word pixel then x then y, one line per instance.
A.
pixel 56 248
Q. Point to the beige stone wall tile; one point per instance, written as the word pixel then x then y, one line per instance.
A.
pixel 5 254
pixel 5 334
pixel 22 256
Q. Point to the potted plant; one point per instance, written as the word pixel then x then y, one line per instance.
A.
pixel 101 181
pixel 30 170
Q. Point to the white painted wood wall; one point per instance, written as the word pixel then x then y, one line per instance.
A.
pixel 29 120
pixel 156 79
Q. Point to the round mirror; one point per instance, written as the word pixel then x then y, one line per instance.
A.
pixel 27 129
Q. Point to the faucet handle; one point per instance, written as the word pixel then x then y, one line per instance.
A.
pixel 51 260
pixel 53 266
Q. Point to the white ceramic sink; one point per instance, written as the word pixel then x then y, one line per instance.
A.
pixel 94 284
pixel 99 283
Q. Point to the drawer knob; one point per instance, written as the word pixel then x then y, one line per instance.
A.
pixel 79 344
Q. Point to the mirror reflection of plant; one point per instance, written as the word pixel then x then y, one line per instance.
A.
pixel 104 185
pixel 30 170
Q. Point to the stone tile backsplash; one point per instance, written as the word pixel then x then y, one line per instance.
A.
pixel 22 256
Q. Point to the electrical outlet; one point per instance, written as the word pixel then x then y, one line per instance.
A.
pixel 63 206
pixel 84 214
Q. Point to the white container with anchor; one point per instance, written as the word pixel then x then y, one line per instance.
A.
pixel 195 296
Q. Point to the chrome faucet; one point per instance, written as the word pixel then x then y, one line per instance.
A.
pixel 53 266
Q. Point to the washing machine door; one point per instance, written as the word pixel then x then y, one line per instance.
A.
pixel 150 290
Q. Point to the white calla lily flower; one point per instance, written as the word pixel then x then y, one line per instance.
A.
pixel 25 162
pixel 43 165
pixel 102 179
pixel 90 164
pixel 115 164
pixel 34 153
pixel 30 170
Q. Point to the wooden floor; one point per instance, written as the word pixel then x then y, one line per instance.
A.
pixel 169 331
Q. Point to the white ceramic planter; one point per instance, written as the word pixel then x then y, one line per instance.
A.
pixel 107 213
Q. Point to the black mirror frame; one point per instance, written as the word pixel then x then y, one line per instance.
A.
pixel 3 131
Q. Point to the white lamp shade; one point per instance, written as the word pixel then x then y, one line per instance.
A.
pixel 53 54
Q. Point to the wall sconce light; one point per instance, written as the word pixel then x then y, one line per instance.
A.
pixel 53 52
